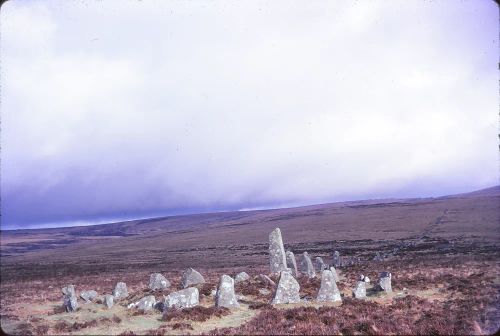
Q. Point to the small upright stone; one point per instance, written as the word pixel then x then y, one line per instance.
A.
pixel 120 291
pixel 378 257
pixel 320 265
pixel 108 300
pixel 240 277
pixel 277 258
pixel 307 266
pixel 359 292
pixel 191 277
pixel 292 263
pixel 385 282
pixel 336 259
pixel 335 275
pixel 146 303
pixel 287 290
pixel 225 296
pixel 70 301
pixel 328 291
pixel 185 298
pixel 88 296
pixel 158 281
pixel 266 280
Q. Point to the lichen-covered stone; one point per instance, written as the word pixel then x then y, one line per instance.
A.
pixel 328 291
pixel 146 303
pixel 89 295
pixel 359 292
pixel 335 275
pixel 384 282
pixel 240 277
pixel 120 291
pixel 225 296
pixel 108 300
pixel 292 263
pixel 287 290
pixel 185 298
pixel 266 280
pixel 277 258
pixel 336 259
pixel 320 265
pixel 157 282
pixel 307 266
pixel 70 301
pixel 191 277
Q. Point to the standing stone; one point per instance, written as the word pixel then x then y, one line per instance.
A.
pixel 385 282
pixel 335 275
pixel 328 290
pixel 88 296
pixel 378 257
pixel 108 300
pixel 225 296
pixel 70 301
pixel 158 281
pixel 120 291
pixel 146 303
pixel 320 265
pixel 336 259
pixel 191 277
pixel 287 290
pixel 359 291
pixel 277 258
pixel 307 266
pixel 266 280
pixel 240 277
pixel 291 262
pixel 185 298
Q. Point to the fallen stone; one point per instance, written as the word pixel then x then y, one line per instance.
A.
pixel 328 291
pixel 240 277
pixel 292 263
pixel 287 290
pixel 88 296
pixel 157 282
pixel 191 277
pixel 336 259
pixel 277 258
pixel 267 280
pixel 359 292
pixel 225 296
pixel 108 300
pixel 185 298
pixel 384 282
pixel 146 303
pixel 307 266
pixel 120 291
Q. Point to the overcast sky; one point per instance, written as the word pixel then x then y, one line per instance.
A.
pixel 128 109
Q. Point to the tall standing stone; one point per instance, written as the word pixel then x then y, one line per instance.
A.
pixel 307 266
pixel 384 281
pixel 70 301
pixel 328 291
pixel 336 259
pixel 225 296
pixel 287 290
pixel 191 277
pixel 291 262
pixel 320 265
pixel 277 258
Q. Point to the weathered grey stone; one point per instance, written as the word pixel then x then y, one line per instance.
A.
pixel 264 291
pixel 277 258
pixel 213 292
pixel 108 300
pixel 287 290
pixel 158 281
pixel 242 276
pixel 185 298
pixel 292 263
pixel 320 265
pixel 89 295
pixel 120 291
pixel 335 275
pixel 366 279
pixel 225 296
pixel 307 266
pixel 191 277
pixel 378 257
pixel 336 259
pixel 359 292
pixel 267 280
pixel 70 301
pixel 384 282
pixel 328 290
pixel 146 303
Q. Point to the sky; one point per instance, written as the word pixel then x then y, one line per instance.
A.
pixel 115 110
